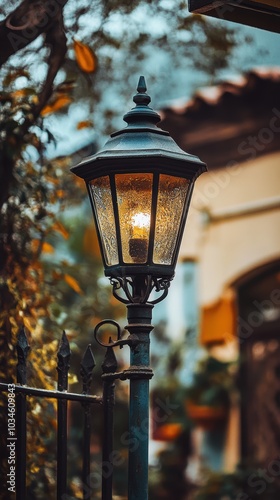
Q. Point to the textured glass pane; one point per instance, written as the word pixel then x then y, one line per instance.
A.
pixel 171 200
pixel 134 197
pixel 102 198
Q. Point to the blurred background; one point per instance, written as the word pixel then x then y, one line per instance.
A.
pixel 215 395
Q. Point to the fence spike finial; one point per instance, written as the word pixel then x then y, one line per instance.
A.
pixel 110 363
pixel 87 365
pixel 63 357
pixel 22 347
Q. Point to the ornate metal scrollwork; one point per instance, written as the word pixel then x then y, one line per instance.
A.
pixel 112 343
pixel 137 289
pixel 161 284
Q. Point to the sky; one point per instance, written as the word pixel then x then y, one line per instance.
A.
pixel 264 51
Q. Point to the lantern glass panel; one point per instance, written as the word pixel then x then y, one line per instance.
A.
pixel 170 205
pixel 100 191
pixel 134 199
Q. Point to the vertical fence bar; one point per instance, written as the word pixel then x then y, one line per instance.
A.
pixel 63 357
pixel 22 352
pixel 109 367
pixel 87 365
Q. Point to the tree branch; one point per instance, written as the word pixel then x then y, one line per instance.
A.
pixel 21 27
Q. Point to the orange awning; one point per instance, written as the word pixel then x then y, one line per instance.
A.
pixel 218 320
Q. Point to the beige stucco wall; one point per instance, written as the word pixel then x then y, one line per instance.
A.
pixel 229 246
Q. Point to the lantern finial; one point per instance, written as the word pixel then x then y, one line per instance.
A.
pixel 142 88
pixel 142 98
pixel 142 114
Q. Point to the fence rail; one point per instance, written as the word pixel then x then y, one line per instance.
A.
pixel 23 391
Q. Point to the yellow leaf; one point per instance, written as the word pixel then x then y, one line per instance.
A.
pixel 35 468
pixel 80 183
pixel 85 57
pixel 90 242
pixel 35 245
pixel 47 247
pixel 60 102
pixel 73 283
pixel 17 94
pixel 84 124
pixel 51 179
pixel 13 321
pixel 61 229
pixel 27 323
pixel 60 193
pixel 72 378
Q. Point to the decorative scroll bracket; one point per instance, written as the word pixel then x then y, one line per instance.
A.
pixel 137 289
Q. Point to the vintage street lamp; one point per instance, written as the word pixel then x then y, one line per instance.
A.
pixel 140 185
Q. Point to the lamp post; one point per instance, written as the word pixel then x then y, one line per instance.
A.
pixel 140 185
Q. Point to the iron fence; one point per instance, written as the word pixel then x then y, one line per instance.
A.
pixel 22 392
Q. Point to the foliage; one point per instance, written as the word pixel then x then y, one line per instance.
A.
pixel 30 287
pixel 212 383
pixel 44 283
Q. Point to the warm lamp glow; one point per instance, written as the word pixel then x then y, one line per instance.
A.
pixel 140 225
pixel 138 243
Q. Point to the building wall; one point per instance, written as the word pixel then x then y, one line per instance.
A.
pixel 233 225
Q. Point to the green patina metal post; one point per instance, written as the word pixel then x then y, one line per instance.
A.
pixel 139 373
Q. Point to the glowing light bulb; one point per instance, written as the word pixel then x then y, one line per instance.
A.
pixel 138 244
pixel 140 225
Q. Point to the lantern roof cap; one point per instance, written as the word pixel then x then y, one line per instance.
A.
pixel 142 143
